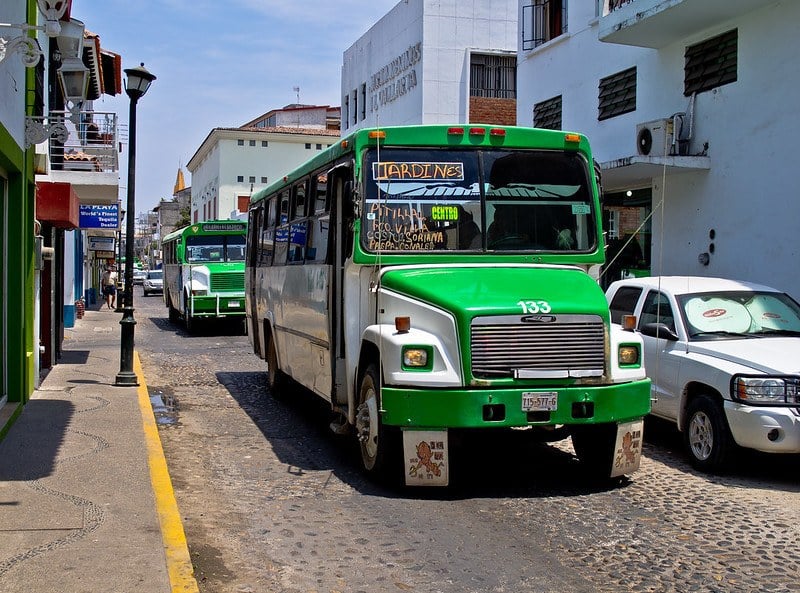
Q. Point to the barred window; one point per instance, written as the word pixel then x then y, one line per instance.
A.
pixel 543 20
pixel 617 94
pixel 547 114
pixel 493 76
pixel 711 63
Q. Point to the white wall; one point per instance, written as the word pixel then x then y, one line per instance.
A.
pixel 749 196
pixel 12 95
pixel 425 44
pixel 215 174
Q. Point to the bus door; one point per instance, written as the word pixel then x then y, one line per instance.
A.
pixel 251 308
pixel 340 188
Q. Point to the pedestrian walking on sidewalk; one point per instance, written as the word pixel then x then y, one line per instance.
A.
pixel 108 282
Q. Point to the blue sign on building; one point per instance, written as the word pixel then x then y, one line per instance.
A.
pixel 95 216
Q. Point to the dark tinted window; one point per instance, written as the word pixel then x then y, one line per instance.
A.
pixel 624 302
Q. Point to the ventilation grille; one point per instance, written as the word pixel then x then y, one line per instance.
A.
pixel 543 346
pixel 227 282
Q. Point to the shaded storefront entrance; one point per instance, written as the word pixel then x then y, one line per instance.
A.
pixel 627 228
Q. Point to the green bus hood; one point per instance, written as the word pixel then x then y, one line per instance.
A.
pixel 473 291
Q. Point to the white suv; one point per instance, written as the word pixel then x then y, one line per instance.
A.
pixel 724 360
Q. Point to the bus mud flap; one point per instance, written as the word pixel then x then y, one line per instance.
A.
pixel 426 459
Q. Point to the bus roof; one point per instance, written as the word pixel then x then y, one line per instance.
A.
pixel 441 135
pixel 209 227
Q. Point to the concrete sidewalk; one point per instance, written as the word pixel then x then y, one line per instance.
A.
pixel 86 503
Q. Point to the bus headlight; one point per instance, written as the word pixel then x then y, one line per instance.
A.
pixel 417 358
pixel 629 355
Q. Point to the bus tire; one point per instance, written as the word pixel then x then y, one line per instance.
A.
pixel 188 321
pixel 174 317
pixel 276 379
pixel 594 446
pixel 377 442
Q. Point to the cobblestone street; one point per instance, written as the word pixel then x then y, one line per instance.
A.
pixel 272 501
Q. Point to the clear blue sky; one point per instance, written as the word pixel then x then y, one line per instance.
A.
pixel 219 63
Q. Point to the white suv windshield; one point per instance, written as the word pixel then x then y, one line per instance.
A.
pixel 740 313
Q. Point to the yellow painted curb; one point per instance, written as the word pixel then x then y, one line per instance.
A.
pixel 179 563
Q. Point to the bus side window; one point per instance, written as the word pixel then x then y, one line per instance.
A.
pixel 320 193
pixel 267 232
pixel 253 246
pixel 299 201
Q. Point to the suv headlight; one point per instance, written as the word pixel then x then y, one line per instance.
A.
pixel 762 390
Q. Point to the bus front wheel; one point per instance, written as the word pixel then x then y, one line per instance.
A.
pixel 187 317
pixel 376 441
pixel 276 379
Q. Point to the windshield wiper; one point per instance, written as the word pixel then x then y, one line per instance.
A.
pixel 778 332
pixel 722 332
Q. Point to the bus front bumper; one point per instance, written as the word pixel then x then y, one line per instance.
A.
pixel 492 408
pixel 218 306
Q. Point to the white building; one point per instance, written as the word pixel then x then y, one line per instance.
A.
pixel 233 163
pixel 433 61
pixel 716 176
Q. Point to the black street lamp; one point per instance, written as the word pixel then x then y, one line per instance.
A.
pixel 119 259
pixel 138 82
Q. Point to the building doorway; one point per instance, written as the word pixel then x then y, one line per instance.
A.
pixel 628 233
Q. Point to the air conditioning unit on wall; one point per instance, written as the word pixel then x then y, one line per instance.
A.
pixel 655 138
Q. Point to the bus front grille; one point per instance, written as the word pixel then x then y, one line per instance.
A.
pixel 538 346
pixel 227 281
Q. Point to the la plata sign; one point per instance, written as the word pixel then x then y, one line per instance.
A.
pixel 96 216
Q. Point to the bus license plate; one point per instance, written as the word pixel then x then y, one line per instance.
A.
pixel 234 304
pixel 539 401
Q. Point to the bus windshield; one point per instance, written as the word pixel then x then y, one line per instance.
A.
pixel 478 200
pixel 211 248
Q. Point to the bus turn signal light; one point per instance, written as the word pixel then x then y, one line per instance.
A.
pixel 629 322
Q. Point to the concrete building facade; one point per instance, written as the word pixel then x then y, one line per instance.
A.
pixel 687 105
pixel 433 61
pixel 233 163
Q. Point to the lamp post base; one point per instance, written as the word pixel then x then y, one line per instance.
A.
pixel 126 376
pixel 126 379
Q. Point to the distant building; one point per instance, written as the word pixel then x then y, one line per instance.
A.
pixel 428 62
pixel 175 213
pixel 233 163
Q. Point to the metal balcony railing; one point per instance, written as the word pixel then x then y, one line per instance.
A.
pixel 91 143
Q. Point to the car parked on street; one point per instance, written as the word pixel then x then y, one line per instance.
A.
pixel 139 276
pixel 724 360
pixel 153 282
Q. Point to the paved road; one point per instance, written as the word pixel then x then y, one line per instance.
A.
pixel 272 501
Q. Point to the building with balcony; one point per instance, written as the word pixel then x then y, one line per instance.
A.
pixel 56 157
pixel 428 62
pixel 233 163
pixel 688 107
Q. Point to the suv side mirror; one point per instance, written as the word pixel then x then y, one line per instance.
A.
pixel 658 330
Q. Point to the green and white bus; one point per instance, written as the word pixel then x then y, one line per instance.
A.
pixel 429 279
pixel 204 271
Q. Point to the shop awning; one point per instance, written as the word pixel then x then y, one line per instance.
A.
pixel 58 204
